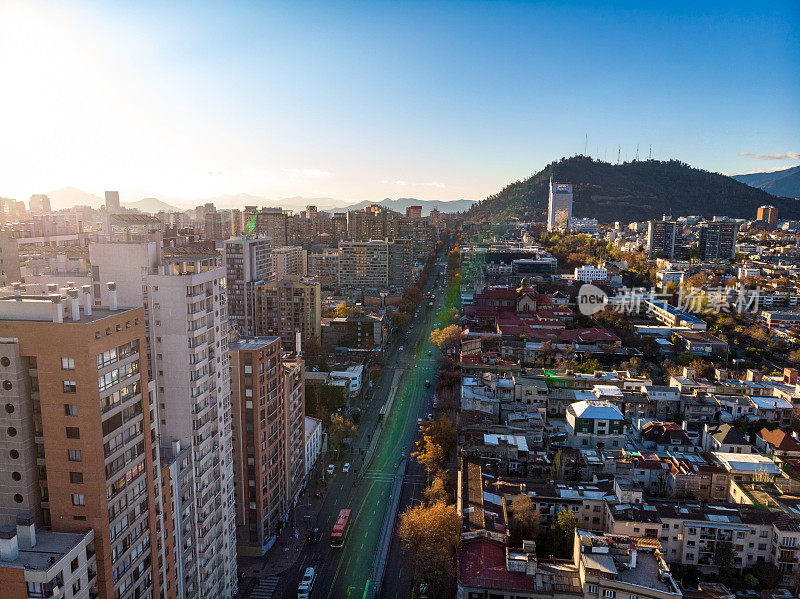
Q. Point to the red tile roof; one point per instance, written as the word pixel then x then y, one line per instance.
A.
pixel 483 564
pixel 780 440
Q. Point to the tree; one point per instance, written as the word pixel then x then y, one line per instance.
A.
pixel 400 320
pixel 724 555
pixel 343 310
pixel 443 433
pixel 767 574
pixel 794 356
pixel 447 337
pixel 525 523
pixel 430 535
pixel 559 538
pixel 340 429
pixel 430 454
pixel 436 492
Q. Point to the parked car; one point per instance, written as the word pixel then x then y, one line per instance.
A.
pixel 331 468
pixel 346 467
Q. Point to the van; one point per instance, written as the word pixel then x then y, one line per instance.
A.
pixel 306 584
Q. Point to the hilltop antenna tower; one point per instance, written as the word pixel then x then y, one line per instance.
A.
pixel 619 149
pixel 651 152
pixel 585 143
pixel 637 152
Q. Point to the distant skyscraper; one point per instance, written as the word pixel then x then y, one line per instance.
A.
pixel 248 260
pixel 718 239
pixel 767 214
pixel 559 208
pixel 39 203
pixel 664 239
pixel 112 201
pixel 414 212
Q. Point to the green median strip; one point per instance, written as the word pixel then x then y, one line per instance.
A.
pixel 366 588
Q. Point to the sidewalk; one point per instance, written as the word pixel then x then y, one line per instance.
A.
pixel 284 553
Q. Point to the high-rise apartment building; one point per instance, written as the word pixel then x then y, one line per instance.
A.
pixel 39 203
pixel 182 291
pixel 273 223
pixel 402 262
pixel 77 436
pixel 324 265
pixel 363 264
pixel 294 384
pixel 718 239
pixel 767 214
pixel 248 260
pixel 112 201
pixel 217 225
pixel 664 239
pixel 414 212
pixel 9 258
pixel 289 260
pixel 289 306
pixel 237 223
pixel 559 207
pixel 259 426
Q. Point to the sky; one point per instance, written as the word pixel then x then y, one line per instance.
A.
pixel 366 100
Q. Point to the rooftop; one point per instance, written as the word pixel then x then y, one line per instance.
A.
pixel 39 308
pixel 49 549
pixel 252 343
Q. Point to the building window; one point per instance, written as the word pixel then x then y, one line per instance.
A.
pixel 78 499
pixel 76 478
pixel 73 432
pixel 74 455
pixel 69 386
pixel 593 588
pixel 70 409
pixel 609 594
pixel 67 363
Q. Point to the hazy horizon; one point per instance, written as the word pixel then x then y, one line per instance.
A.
pixel 437 101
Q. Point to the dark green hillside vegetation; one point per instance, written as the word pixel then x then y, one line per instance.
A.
pixel 632 191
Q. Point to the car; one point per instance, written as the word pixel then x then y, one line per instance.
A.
pixel 331 468
pixel 400 348
pixel 346 467
pixel 419 421
pixel 423 590
pixel 430 416
pixel 427 383
pixel 306 584
pixel 314 535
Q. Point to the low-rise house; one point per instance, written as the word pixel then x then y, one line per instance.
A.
pixel 701 343
pixel 725 438
pixel 595 424
pixel 778 443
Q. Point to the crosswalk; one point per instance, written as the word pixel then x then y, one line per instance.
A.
pixel 388 477
pixel 264 588
pixel 379 476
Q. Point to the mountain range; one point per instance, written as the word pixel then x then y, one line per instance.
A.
pixel 68 197
pixel 785 182
pixel 632 191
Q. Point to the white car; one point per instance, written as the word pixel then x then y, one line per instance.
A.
pixel 346 468
pixel 306 584
pixel 400 348
pixel 331 468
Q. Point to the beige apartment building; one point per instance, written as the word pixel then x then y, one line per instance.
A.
pixel 363 264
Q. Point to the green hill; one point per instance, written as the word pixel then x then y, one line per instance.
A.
pixel 633 191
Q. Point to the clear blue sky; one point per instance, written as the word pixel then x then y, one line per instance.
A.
pixel 365 100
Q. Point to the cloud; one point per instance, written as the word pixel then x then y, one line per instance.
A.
pixel 400 182
pixel 294 173
pixel 313 172
pixel 779 156
pixel 435 184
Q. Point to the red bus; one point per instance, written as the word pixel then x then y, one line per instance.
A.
pixel 339 532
